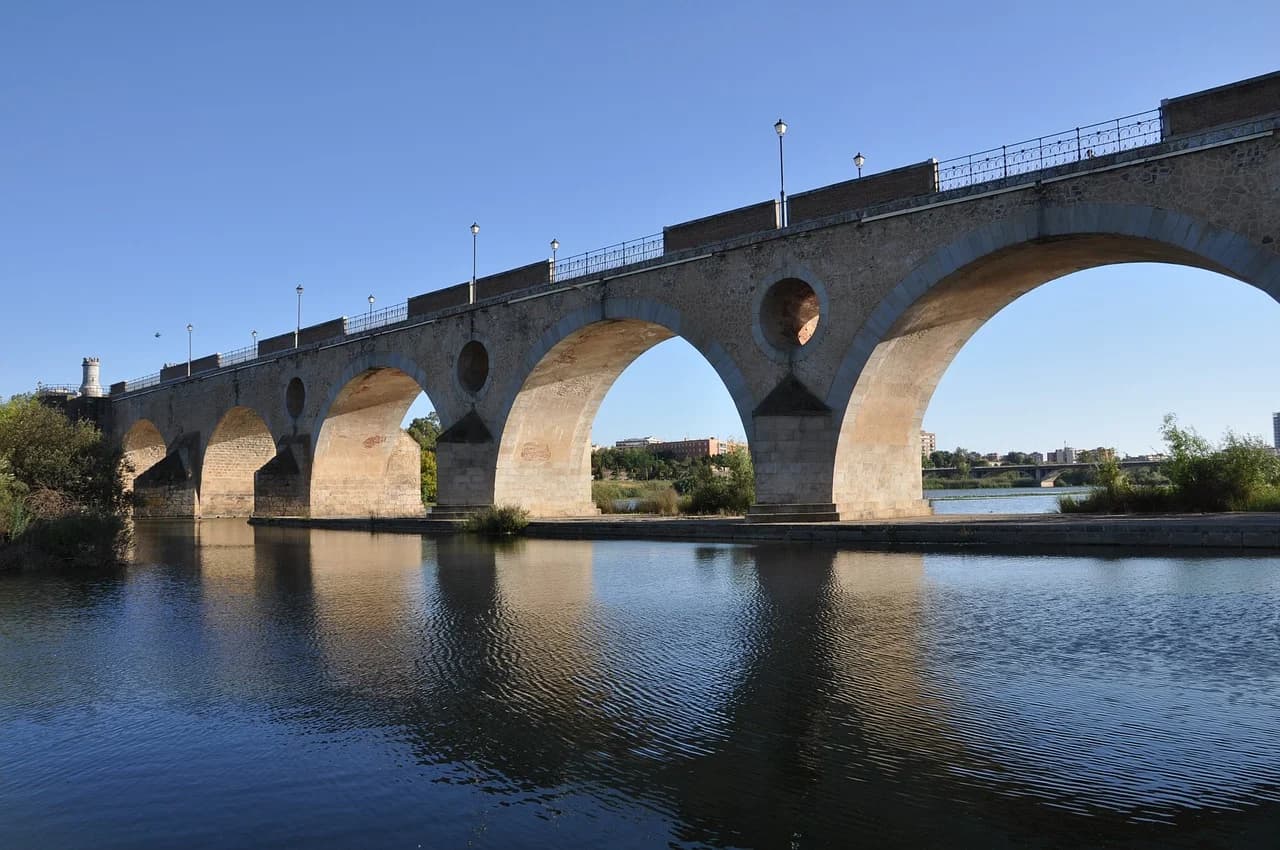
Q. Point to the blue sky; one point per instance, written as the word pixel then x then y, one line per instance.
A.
pixel 162 163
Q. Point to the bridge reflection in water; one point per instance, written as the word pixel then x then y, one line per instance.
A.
pixel 755 696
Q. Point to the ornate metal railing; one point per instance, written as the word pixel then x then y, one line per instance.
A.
pixel 378 318
pixel 1081 143
pixel 603 259
pixel 1070 146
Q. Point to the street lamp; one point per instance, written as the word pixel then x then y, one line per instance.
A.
pixel 254 334
pixel 297 331
pixel 190 328
pixel 859 160
pixel 781 129
pixel 555 246
pixel 475 231
pixel 370 306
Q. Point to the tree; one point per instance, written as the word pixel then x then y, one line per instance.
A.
pixel 1226 478
pixel 61 492
pixel 425 430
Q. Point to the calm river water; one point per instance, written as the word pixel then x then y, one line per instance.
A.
pixel 284 688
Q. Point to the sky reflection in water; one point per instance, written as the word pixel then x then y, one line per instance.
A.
pixel 278 687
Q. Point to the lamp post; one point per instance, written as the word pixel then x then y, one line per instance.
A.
pixel 859 160
pixel 297 330
pixel 781 129
pixel 370 307
pixel 254 334
pixel 475 231
pixel 555 246
pixel 190 328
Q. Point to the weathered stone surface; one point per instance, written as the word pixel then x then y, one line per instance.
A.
pixel 901 293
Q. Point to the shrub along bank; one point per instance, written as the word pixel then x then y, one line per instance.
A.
pixel 724 484
pixel 1237 474
pixel 62 499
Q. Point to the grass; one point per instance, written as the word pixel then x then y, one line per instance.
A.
pixel 652 497
pixel 498 521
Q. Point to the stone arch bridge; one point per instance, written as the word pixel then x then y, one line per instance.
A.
pixel 830 334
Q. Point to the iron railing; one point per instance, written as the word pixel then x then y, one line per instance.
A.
pixel 1070 146
pixel 239 355
pixel 378 318
pixel 603 259
pixel 1081 143
pixel 57 389
pixel 142 383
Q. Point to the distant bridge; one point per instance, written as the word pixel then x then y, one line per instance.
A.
pixel 1046 473
pixel 830 334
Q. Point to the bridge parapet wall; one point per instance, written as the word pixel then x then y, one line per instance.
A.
pixel 719 227
pixel 441 299
pixel 907 182
pixel 1192 113
pixel 208 363
pixel 513 280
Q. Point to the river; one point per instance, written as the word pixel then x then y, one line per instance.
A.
pixel 1000 500
pixel 283 688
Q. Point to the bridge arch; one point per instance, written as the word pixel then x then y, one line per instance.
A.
pixel 544 451
pixel 240 445
pixel 362 461
pixel 143 447
pixel 894 364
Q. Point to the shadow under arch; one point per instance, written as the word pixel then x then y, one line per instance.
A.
pixel 894 364
pixel 363 463
pixel 239 446
pixel 544 452
pixel 143 447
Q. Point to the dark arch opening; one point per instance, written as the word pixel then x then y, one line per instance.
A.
pixel 143 447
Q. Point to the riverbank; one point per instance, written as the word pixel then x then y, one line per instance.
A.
pixel 1005 532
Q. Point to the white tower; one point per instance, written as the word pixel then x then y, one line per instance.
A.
pixel 89 385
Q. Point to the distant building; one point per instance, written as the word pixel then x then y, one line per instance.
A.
pixel 929 441
pixel 1036 457
pixel 704 447
pixel 1066 454
pixel 727 446
pixel 637 443
pixel 1275 430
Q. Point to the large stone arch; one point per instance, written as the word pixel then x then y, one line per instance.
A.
pixel 544 451
pixel 893 365
pixel 239 446
pixel 362 462
pixel 143 446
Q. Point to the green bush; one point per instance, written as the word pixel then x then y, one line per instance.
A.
pixel 728 487
pixel 1240 474
pixel 498 521
pixel 62 498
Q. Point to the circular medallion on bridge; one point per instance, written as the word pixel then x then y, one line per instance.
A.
pixel 789 314
pixel 295 396
pixel 473 366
